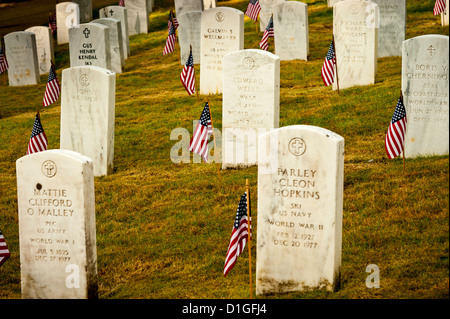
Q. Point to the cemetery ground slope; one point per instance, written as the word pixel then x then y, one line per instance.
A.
pixel 163 229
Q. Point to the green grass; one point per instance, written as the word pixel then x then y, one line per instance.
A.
pixel 163 228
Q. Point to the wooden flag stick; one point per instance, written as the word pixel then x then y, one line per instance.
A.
pixel 249 237
pixel 336 65
pixel 403 150
pixel 214 138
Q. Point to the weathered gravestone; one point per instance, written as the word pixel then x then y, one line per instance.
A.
pixel 87 114
pixel 251 104
pixel 85 10
pixel 56 206
pixel 67 16
pixel 208 4
pixel 134 23
pixel 355 30
pixel 183 6
pixel 392 29
pixel 119 13
pixel 115 42
pixel 222 31
pixel 300 203
pixel 89 45
pixel 425 86
pixel 291 32
pixel 21 52
pixel 189 35
pixel 143 11
pixel 266 12
pixel 44 46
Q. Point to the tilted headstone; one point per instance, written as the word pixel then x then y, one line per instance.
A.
pixel 44 45
pixel 291 31
pixel 392 31
pixel 67 16
pixel 355 29
pixel 120 13
pixel 251 104
pixel 300 204
pixel 208 4
pixel 56 206
pixel 183 6
pixel 222 31
pixel 143 11
pixel 87 114
pixel 189 35
pixel 21 52
pixel 134 23
pixel 115 42
pixel 266 12
pixel 89 45
pixel 425 86
pixel 85 10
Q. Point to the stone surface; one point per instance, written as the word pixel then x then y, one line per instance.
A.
pixel 143 11
pixel 115 42
pixel 44 45
pixel 85 10
pixel 251 104
pixel 89 45
pixel 222 31
pixel 208 4
pixel 444 15
pixel 21 52
pixel 67 16
pixel 356 41
pixel 119 13
pixel 134 23
pixel 183 6
pixel 88 113
pixel 266 12
pixel 56 210
pixel 291 32
pixel 300 204
pixel 425 86
pixel 189 35
pixel 392 31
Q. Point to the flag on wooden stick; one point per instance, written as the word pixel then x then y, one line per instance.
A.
pixel 199 141
pixel 253 9
pixel 4 252
pixel 171 37
pixel 268 33
pixel 395 136
pixel 328 66
pixel 52 89
pixel 38 140
pixel 187 75
pixel 439 7
pixel 52 22
pixel 3 61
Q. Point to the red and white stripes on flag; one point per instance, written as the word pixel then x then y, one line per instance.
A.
pixel 328 66
pixel 170 42
pixel 268 32
pixel 187 75
pixel 395 136
pixel 122 3
pixel 38 140
pixel 4 252
pixel 253 9
pixel 204 129
pixel 239 234
pixel 52 89
pixel 3 61
pixel 439 7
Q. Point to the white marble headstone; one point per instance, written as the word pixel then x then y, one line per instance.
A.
pixel 183 6
pixel 90 45
pixel 115 42
pixel 444 15
pixel 119 13
pixel 143 11
pixel 251 104
pixel 222 31
pixel 355 30
pixel 291 31
pixel 425 86
pixel 134 23
pixel 189 35
pixel 21 52
pixel 67 16
pixel 208 4
pixel 300 204
pixel 266 12
pixel 87 114
pixel 56 209
pixel 85 10
pixel 44 45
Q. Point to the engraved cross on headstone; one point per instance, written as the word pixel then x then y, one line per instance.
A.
pixel 297 145
pixel 431 49
pixel 111 12
pixel 86 32
pixel 49 167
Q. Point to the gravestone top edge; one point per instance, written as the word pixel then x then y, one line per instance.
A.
pixel 316 129
pixel 61 152
pixel 258 51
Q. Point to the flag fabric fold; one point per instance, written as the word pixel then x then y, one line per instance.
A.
pixel 3 62
pixel 121 3
pixel 239 234
pixel 253 9
pixel 187 75
pixel 439 7
pixel 204 129
pixel 52 22
pixel 395 136
pixel 328 66
pixel 268 33
pixel 4 252
pixel 52 89
pixel 171 37
pixel 38 140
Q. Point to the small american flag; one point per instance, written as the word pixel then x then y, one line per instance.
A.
pixel 4 252
pixel 170 42
pixel 52 22
pixel 439 7
pixel 3 62
pixel 264 44
pixel 395 136
pixel 199 141
pixel 187 75
pixel 52 89
pixel 175 21
pixel 328 66
pixel 122 3
pixel 239 235
pixel 38 141
pixel 253 9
